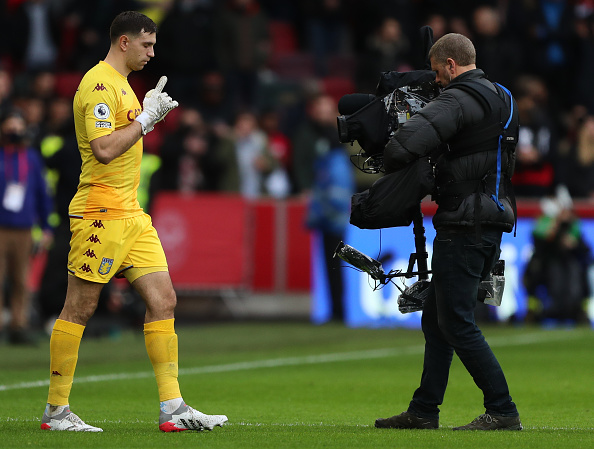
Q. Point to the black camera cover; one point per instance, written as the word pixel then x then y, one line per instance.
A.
pixel 389 81
pixel 393 200
pixel 371 125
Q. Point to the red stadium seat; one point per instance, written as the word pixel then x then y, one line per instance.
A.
pixel 283 38
pixel 294 66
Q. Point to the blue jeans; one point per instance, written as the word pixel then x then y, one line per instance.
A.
pixel 458 265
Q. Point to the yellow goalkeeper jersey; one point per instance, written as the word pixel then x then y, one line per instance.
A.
pixel 103 103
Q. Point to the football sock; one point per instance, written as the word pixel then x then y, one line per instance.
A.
pixel 161 346
pixel 55 410
pixel 171 406
pixel 64 344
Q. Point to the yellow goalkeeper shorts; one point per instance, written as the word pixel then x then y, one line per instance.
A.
pixel 101 249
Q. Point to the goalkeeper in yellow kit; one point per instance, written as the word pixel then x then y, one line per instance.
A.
pixel 111 235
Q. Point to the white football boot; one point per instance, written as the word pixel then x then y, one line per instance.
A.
pixel 186 418
pixel 65 420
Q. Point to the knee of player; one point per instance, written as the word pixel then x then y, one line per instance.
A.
pixel 169 300
pixel 79 314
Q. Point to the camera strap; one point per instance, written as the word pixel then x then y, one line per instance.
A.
pixel 495 196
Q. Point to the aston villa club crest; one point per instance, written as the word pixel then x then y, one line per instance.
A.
pixel 105 266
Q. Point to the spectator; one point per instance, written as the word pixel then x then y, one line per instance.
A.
pixel 277 182
pixel 325 30
pixel 458 24
pixel 174 150
pixel 35 35
pixel 438 23
pixel 559 263
pixel 5 92
pixel 43 86
pixel 498 56
pixel 189 24
pixel 584 73
pixel 579 169
pixel 242 46
pixel 535 152
pixel 213 102
pixel 191 171
pixel 33 109
pixel 323 171
pixel 387 49
pixel 89 19
pixel 246 158
pixel 25 202
pixel 547 29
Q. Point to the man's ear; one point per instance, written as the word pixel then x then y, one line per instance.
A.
pixel 124 41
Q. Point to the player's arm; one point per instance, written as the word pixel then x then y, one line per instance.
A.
pixel 156 106
pixel 107 148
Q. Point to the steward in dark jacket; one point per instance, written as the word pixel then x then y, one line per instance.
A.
pixel 471 128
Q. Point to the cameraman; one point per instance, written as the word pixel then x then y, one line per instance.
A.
pixel 475 207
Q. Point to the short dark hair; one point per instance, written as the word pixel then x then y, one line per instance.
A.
pixel 130 22
pixel 455 46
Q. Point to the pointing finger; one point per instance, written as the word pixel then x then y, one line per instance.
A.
pixel 161 84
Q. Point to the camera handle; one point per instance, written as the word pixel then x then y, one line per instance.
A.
pixel 420 255
pixel 412 298
pixel 375 269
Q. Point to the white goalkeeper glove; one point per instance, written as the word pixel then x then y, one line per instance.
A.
pixel 155 106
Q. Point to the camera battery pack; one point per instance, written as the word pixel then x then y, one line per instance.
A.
pixel 491 289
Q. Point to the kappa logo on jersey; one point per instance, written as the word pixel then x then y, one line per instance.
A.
pixel 85 268
pixel 105 265
pixel 90 253
pixel 97 224
pixel 99 87
pixel 124 92
pixel 94 239
pixel 101 111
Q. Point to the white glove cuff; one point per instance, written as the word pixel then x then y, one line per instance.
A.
pixel 144 120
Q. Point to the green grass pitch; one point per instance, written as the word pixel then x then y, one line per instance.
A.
pixel 295 385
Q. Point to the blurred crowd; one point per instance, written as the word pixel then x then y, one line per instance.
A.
pixel 258 83
pixel 247 71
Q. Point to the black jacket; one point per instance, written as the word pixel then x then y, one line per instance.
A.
pixel 446 120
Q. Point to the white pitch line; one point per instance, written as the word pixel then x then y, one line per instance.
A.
pixel 295 361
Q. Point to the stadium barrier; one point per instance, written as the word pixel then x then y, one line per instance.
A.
pixel 215 241
pixel 222 242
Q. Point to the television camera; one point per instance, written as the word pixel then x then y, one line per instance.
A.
pixel 394 200
pixel 372 120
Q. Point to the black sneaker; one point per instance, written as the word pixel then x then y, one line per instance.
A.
pixel 493 422
pixel 406 420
